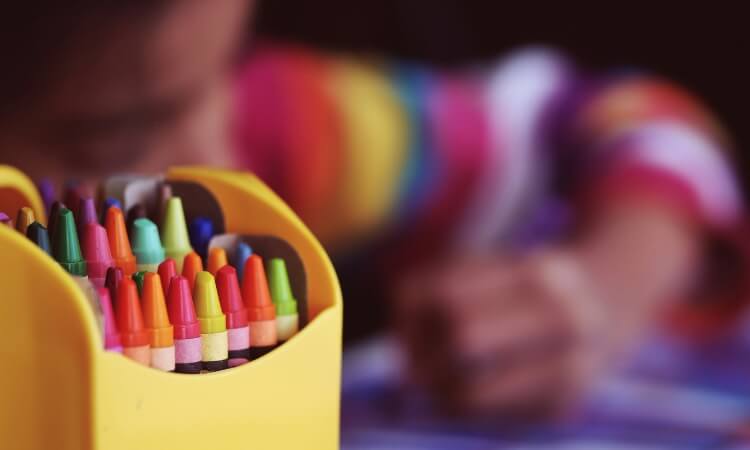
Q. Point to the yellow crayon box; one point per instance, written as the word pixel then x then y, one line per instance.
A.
pixel 60 389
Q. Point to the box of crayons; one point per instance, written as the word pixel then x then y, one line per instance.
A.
pixel 191 310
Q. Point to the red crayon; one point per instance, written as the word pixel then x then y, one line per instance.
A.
pixel 111 335
pixel 133 332
pixel 238 332
pixel 97 254
pixel 112 283
pixel 187 329
pixel 167 270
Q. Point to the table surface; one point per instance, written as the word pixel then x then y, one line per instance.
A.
pixel 672 395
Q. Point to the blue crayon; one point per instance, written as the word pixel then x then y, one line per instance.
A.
pixel 201 231
pixel 241 253
pixel 108 203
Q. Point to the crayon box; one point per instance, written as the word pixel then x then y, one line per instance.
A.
pixel 60 389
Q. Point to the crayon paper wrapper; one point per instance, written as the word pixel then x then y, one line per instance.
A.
pixel 263 333
pixel 214 346
pixel 239 338
pixel 287 326
pixel 188 350
pixel 163 358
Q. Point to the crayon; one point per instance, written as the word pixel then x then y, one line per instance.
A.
pixel 119 244
pixel 241 253
pixel 238 331
pixel 201 231
pixel 86 215
pixel 217 258
pixel 65 246
pixel 39 235
pixel 191 267
pixel 108 203
pixel 111 335
pixel 287 317
pixel 24 218
pixel 214 343
pixel 74 191
pixel 163 194
pixel 47 191
pixel 5 220
pixel 112 283
pixel 146 245
pixel 96 251
pixel 187 329
pixel 137 211
pixel 160 331
pixel 174 235
pixel 260 309
pixel 139 277
pixel 54 214
pixel 133 333
pixel 167 270
pixel 89 292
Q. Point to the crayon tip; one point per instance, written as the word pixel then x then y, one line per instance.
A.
pixel 130 316
pixel 5 219
pixel 108 203
pixel 167 270
pixel 39 235
pixel 86 214
pixel 74 191
pixel 139 277
pixel 163 194
pixel 24 218
pixel 174 234
pixel 146 242
pixel 66 248
pixel 155 312
pixel 241 253
pixel 217 258
pixel 207 304
pixel 231 298
pixel 255 291
pixel 201 231
pixel 111 335
pixel 96 250
pixel 119 244
pixel 281 290
pixel 112 282
pixel 47 191
pixel 137 211
pixel 191 266
pixel 182 310
pixel 53 216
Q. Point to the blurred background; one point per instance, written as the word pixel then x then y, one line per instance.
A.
pixel 590 296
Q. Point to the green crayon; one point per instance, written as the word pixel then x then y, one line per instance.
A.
pixel 65 246
pixel 287 317
pixel 174 232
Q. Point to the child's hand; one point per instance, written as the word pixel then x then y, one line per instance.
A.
pixel 529 335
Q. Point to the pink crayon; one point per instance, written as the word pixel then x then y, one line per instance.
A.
pixel 187 329
pixel 111 335
pixel 97 253
pixel 238 332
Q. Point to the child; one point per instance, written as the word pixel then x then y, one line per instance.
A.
pixel 453 170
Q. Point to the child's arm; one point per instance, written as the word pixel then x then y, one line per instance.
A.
pixel 531 334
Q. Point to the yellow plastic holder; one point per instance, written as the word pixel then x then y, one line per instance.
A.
pixel 61 390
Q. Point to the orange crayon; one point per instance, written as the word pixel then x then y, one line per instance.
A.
pixel 133 333
pixel 261 311
pixel 160 331
pixel 191 266
pixel 119 243
pixel 217 258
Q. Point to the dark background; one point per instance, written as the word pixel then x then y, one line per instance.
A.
pixel 703 47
